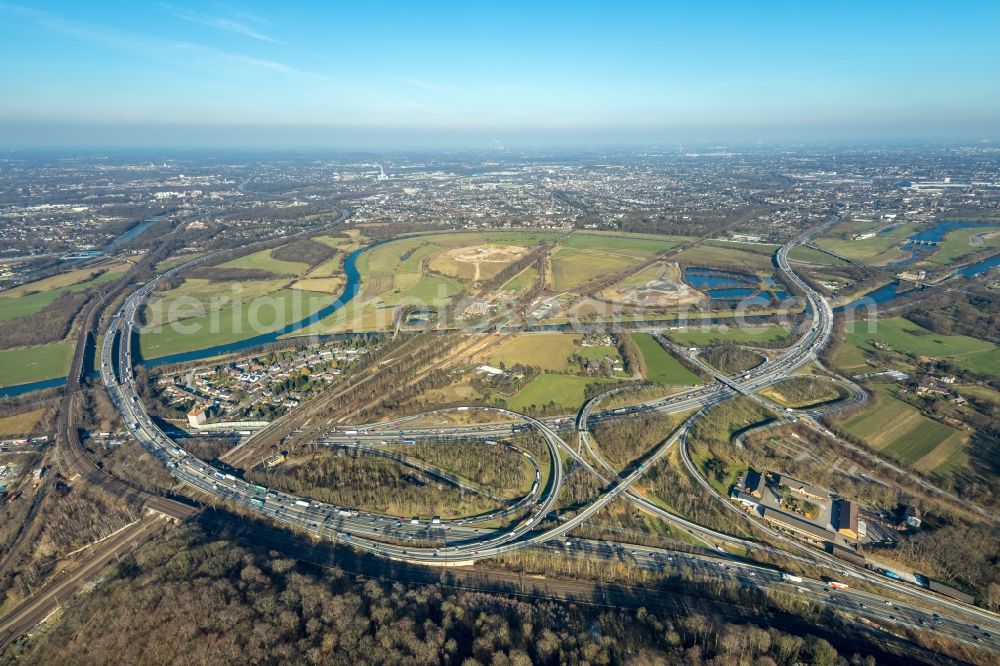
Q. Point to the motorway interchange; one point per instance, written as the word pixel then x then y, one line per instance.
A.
pixel 461 542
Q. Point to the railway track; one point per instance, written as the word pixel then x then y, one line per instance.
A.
pixel 73 456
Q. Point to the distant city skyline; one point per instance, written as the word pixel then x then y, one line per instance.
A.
pixel 449 75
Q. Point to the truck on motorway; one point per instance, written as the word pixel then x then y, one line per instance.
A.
pixel 259 489
pixel 463 409
pixel 790 578
pixel 258 502
pixel 301 503
pixel 837 585
pixel 219 475
pixel 350 432
pixel 409 441
pixel 346 512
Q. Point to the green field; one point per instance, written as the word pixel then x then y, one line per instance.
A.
pixel 661 367
pixel 549 351
pixel 958 243
pixel 263 261
pixel 848 358
pixel 598 352
pixel 906 337
pixel 808 255
pixel 566 391
pixel 197 296
pixel 522 280
pixel 33 364
pixel 573 267
pixel 232 324
pixel 728 255
pixel 746 335
pixel 644 246
pixel 875 251
pixel 14 305
pixel 899 429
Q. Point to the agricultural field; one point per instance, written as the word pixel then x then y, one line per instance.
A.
pixel 231 324
pixel 263 261
pixel 906 337
pixel 20 424
pixel 807 255
pixel 566 391
pixel 583 257
pixel 850 359
pixel 198 296
pixel 876 251
pixel 960 243
pixel 981 393
pixel 521 281
pixel 572 267
pixel 323 285
pixel 30 298
pixel 636 246
pixel 898 429
pixel 743 335
pixel 549 351
pixel 33 364
pixel 728 255
pixel 430 270
pixel 329 268
pixel 661 367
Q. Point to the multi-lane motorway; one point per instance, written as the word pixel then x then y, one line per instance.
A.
pixel 531 525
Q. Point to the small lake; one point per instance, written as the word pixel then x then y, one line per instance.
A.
pixel 708 278
pixel 731 294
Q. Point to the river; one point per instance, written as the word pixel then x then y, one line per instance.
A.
pixel 351 288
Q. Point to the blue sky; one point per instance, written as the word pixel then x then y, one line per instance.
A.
pixel 252 73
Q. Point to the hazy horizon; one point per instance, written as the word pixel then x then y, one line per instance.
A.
pixel 173 75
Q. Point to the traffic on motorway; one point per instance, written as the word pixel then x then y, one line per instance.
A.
pixel 408 538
